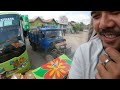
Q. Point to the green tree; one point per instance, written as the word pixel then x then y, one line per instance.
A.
pixel 78 27
pixel 82 25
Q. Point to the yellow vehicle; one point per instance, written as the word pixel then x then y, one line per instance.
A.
pixel 13 52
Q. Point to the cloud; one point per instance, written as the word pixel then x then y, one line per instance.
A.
pixel 79 16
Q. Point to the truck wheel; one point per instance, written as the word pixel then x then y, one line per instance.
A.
pixel 34 48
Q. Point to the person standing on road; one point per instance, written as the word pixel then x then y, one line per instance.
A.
pixel 99 58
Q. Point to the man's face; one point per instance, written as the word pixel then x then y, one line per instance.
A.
pixel 107 25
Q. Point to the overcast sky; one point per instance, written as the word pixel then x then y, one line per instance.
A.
pixel 77 16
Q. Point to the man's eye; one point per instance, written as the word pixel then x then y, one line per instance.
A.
pixel 95 16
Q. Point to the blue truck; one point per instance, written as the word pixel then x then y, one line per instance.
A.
pixel 49 40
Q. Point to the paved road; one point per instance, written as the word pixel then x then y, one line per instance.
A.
pixel 36 57
pixel 73 41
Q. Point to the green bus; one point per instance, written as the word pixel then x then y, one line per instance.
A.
pixel 13 52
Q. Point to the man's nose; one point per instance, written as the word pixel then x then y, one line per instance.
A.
pixel 106 21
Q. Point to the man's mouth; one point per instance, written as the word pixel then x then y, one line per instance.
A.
pixel 110 37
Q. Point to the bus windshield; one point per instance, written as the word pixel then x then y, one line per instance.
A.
pixel 9 26
pixel 9 19
pixel 8 33
pixel 11 38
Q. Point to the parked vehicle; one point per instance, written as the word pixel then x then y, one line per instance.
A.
pixel 48 39
pixel 13 52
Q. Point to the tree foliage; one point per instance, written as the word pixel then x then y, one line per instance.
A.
pixel 78 27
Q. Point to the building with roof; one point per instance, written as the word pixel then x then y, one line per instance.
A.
pixel 36 22
pixel 50 23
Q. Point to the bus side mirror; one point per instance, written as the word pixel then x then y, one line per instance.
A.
pixel 26 25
